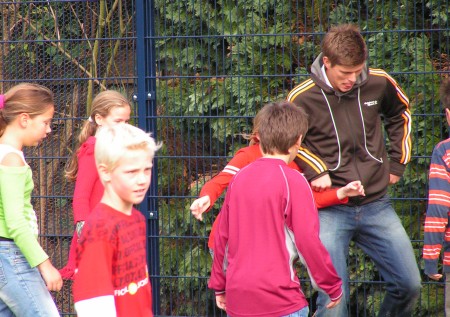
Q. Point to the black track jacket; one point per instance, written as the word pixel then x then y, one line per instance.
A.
pixel 345 135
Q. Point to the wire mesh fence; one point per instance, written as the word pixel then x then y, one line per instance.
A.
pixel 207 67
pixel 218 62
pixel 76 48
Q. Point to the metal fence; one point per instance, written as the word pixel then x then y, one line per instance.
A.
pixel 76 48
pixel 197 72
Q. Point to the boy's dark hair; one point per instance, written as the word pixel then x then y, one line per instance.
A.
pixel 344 45
pixel 281 124
pixel 445 93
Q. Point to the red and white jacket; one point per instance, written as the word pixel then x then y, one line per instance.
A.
pixel 217 185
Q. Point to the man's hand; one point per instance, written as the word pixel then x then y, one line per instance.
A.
pixel 221 301
pixel 322 183
pixel 199 206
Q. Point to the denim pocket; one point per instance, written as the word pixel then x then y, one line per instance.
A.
pixel 19 262
pixel 3 279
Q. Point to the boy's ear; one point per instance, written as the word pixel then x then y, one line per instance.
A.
pixel 299 141
pixel 326 62
pixel 447 115
pixel 103 172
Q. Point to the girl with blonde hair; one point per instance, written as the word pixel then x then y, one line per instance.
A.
pixel 108 109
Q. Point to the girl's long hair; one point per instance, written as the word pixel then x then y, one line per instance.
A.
pixel 102 105
pixel 32 99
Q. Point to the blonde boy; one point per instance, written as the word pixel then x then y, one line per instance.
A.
pixel 111 278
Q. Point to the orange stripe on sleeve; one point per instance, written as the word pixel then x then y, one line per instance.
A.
pixel 435 224
pixel 431 251
pixel 307 84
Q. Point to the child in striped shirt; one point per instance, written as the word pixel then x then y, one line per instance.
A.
pixel 437 228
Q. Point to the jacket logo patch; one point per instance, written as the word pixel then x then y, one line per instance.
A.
pixel 371 103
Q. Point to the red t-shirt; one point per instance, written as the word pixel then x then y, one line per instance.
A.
pixel 111 260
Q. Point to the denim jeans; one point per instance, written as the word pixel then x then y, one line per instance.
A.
pixel 22 290
pixel 377 230
pixel 304 312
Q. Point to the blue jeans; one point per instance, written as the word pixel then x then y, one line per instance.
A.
pixel 304 312
pixel 377 230
pixel 22 290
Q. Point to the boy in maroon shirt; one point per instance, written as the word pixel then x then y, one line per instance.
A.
pixel 269 221
pixel 111 276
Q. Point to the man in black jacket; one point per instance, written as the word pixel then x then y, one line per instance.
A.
pixel 347 103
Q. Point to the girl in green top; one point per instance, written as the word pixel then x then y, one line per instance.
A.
pixel 26 273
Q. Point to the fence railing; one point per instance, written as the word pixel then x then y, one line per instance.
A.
pixel 198 71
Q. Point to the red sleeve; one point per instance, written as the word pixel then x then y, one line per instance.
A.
pixel 87 179
pixel 215 187
pixel 306 233
pixel 328 198
pixel 217 281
